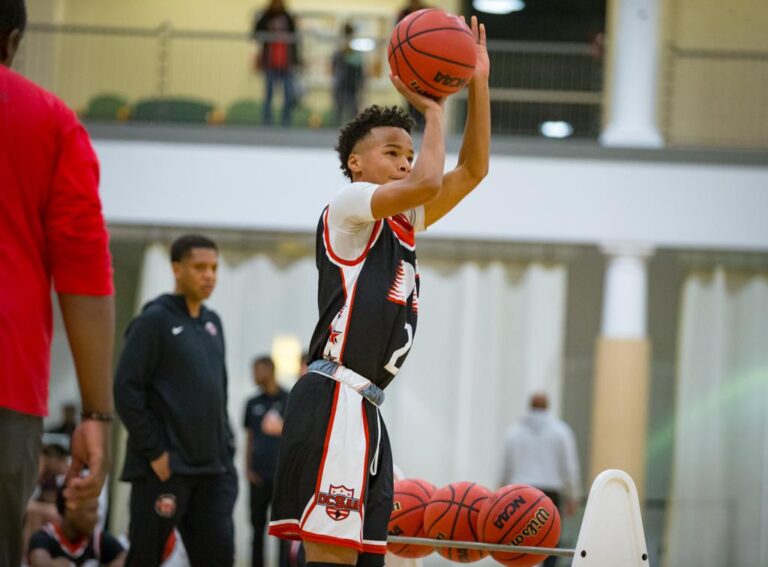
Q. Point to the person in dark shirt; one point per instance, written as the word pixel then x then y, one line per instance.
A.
pixel 348 77
pixel 76 540
pixel 69 421
pixel 171 392
pixel 279 56
pixel 264 425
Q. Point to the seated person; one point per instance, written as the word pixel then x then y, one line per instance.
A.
pixel 76 540
pixel 41 508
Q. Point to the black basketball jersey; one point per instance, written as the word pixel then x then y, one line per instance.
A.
pixel 368 304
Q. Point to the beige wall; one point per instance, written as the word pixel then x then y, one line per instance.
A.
pixel 717 100
pixel 79 66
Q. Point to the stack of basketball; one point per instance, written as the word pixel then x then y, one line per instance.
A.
pixel 465 511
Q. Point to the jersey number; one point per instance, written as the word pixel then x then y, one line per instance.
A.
pixel 392 366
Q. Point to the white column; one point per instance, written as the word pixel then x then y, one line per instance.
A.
pixel 625 291
pixel 634 48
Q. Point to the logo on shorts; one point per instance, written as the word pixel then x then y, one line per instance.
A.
pixel 165 505
pixel 339 501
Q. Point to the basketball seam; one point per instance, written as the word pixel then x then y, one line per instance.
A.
pixel 451 61
pixel 456 518
pixel 402 515
pixel 405 59
pixel 440 517
pixel 521 555
pixel 522 517
pixel 492 504
pixel 430 30
pixel 472 527
pixel 429 494
pixel 422 79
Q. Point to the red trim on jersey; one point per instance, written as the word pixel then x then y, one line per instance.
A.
pixel 378 549
pixel 292 531
pixel 74 549
pixel 402 229
pixel 365 468
pixel 286 531
pixel 325 452
pixel 170 545
pixel 320 538
pixel 351 304
pixel 332 254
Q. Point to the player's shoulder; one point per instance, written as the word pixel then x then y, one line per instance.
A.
pixel 354 190
pixel 36 104
pixel 42 539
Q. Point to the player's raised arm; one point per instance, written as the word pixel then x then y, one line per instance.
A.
pixel 475 147
pixel 410 187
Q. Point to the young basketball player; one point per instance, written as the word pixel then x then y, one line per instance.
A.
pixel 334 483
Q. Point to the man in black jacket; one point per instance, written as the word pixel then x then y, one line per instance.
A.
pixel 171 393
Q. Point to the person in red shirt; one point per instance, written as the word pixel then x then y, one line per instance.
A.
pixel 278 57
pixel 51 231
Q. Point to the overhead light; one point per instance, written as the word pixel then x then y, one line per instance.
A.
pixel 556 129
pixel 498 6
pixel 362 44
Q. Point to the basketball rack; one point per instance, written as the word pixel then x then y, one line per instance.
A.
pixel 611 531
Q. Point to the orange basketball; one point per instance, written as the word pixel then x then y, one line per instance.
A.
pixel 407 519
pixel 452 513
pixel 433 52
pixel 519 514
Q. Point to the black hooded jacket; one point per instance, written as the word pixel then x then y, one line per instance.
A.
pixel 171 391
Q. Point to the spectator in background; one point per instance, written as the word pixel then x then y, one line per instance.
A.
pixel 41 508
pixel 411 7
pixel 54 463
pixel 69 420
pixel 171 393
pixel 75 539
pixel 279 56
pixel 263 424
pixel 348 77
pixel 51 231
pixel 540 450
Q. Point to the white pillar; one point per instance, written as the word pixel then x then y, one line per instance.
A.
pixel 625 291
pixel 622 366
pixel 634 43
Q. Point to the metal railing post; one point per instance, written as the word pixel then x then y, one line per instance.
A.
pixel 164 39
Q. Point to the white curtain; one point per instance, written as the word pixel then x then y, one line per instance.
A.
pixel 718 511
pixel 488 335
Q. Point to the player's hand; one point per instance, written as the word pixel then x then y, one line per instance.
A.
pixel 483 65
pixel 272 424
pixel 162 467
pixel 420 102
pixel 90 450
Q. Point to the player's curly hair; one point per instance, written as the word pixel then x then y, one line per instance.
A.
pixel 370 118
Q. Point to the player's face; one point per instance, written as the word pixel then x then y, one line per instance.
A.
pixel 196 273
pixel 384 155
pixel 84 517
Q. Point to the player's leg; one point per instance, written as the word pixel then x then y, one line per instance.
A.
pixel 261 495
pixel 156 508
pixel 379 500
pixel 319 480
pixel 20 445
pixel 208 528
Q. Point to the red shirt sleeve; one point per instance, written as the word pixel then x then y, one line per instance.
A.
pixel 78 243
